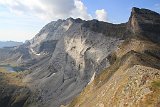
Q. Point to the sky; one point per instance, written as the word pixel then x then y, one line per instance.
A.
pixel 21 20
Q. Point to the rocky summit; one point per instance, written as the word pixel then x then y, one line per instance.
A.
pixel 78 63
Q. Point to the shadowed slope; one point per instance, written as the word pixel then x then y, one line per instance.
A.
pixel 13 92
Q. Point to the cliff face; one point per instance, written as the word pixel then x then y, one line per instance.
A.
pixel 68 55
pixel 146 23
pixel 81 50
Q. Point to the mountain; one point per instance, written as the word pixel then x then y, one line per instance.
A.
pixel 78 63
pixel 133 79
pixel 9 44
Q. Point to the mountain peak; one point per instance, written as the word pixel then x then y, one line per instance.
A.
pixel 135 9
pixel 145 22
pixel 143 11
pixel 77 20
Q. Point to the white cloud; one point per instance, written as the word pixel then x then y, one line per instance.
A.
pixel 101 15
pixel 81 10
pixel 48 9
pixel 26 17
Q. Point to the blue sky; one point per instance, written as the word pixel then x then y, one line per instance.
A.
pixel 20 20
pixel 119 10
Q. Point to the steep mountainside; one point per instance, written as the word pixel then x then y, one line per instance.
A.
pixel 117 63
pixel 133 79
pixel 78 52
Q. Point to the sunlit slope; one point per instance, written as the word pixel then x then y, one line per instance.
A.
pixel 131 81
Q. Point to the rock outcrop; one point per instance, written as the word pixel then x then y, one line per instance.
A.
pixel 145 23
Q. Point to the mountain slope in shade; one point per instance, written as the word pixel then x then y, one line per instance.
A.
pixel 111 62
pixel 9 44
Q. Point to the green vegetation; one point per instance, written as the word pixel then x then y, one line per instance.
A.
pixel 13 90
pixel 156 84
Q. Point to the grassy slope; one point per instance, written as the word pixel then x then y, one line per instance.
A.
pixel 13 92
pixel 132 80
